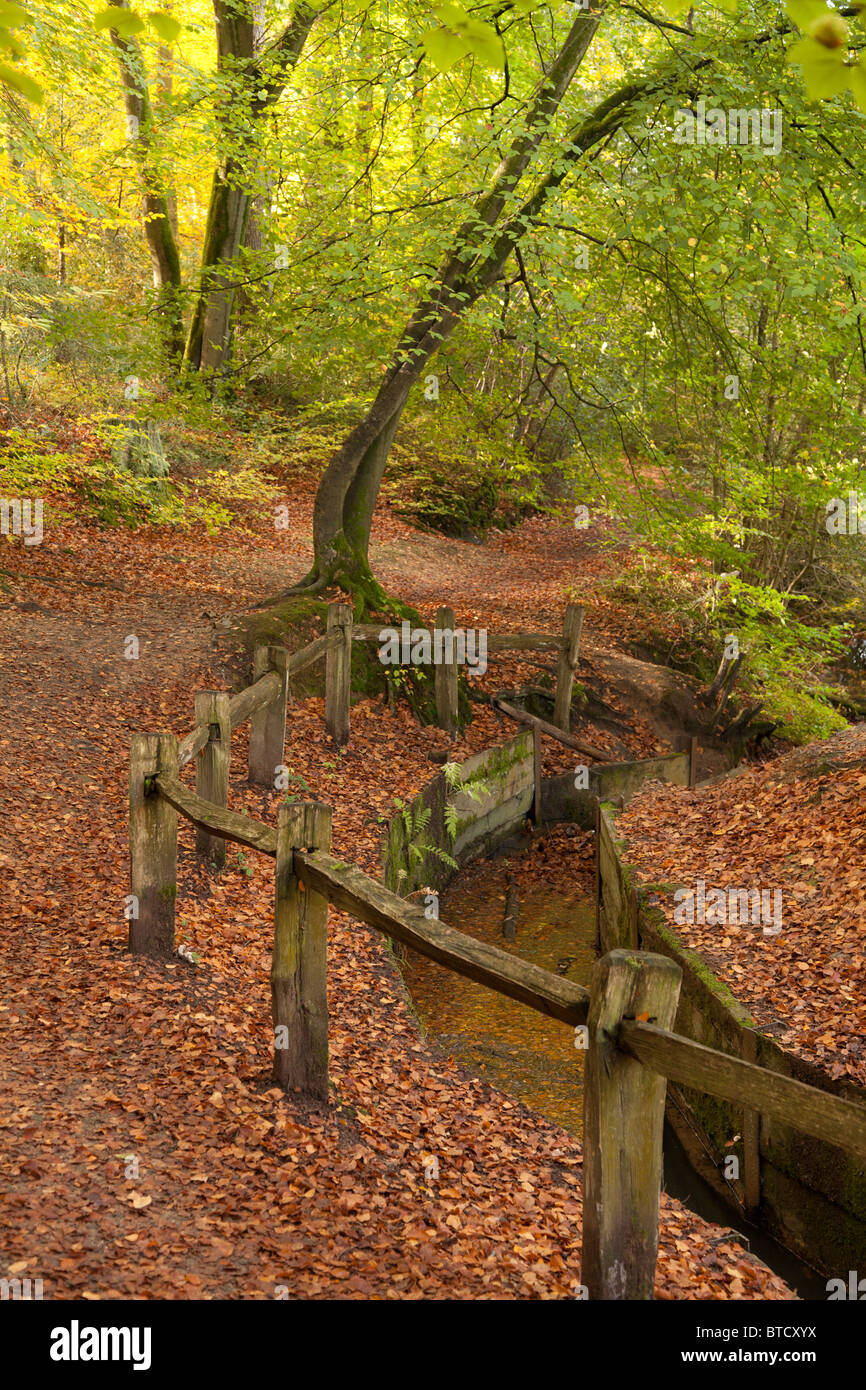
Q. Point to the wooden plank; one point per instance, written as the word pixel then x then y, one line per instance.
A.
pixel 268 725
pixel 241 706
pixel 803 1107
pixel 568 659
pixel 338 673
pixel 307 656
pixel 299 989
pixel 751 1138
pixel 152 846
pixel 253 697
pixel 212 767
pixel 192 744
pixel 369 901
pixel 522 642
pixel 533 722
pixel 445 676
pixel 242 830
pixel 496 642
pixel 624 1108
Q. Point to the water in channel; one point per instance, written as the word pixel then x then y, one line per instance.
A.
pixel 533 1058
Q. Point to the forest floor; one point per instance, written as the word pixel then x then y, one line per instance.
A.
pixel 146 1152
pixel 795 828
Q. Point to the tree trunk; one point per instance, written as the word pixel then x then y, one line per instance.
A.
pixel 158 232
pixel 209 334
pixel 257 80
pixel 347 493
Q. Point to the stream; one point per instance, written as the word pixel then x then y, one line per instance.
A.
pixel 532 1058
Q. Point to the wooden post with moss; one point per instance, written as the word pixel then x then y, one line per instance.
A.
pixel 268 724
pixel 212 766
pixel 751 1139
pixel 338 673
pixel 568 658
pixel 537 794
pixel 299 990
pixel 152 846
pixel 624 1107
pixel 445 673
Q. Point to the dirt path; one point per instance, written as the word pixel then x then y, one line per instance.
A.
pixel 145 1153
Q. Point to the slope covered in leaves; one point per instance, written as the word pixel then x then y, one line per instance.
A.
pixel 146 1152
pixel 796 826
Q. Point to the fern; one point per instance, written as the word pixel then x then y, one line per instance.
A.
pixel 455 783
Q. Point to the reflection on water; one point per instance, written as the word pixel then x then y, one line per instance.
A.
pixel 515 1048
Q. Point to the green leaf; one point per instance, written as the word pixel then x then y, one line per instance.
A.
pixel 165 25
pixel 824 70
pixel 20 82
pixel 857 83
pixel 123 21
pixel 804 11
pixel 485 44
pixel 12 16
pixel 442 48
pixel 10 44
pixel 461 35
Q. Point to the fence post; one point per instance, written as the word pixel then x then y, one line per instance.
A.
pixel 751 1139
pixel 299 990
pixel 152 847
pixel 598 883
pixel 212 766
pixel 338 674
pixel 571 629
pixel 536 771
pixel 445 674
pixel 624 1107
pixel 268 725
pixel 693 761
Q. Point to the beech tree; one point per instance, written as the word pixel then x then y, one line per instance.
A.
pixel 251 79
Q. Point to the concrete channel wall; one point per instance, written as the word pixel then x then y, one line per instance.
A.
pixel 508 778
pixel 813 1194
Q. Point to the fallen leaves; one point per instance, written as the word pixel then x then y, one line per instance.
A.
pixel 759 830
pixel 246 1191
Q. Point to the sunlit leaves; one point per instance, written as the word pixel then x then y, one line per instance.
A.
pixel 123 22
pixel 803 12
pixel 12 16
pixel 20 82
pixel 166 26
pixel 824 70
pixel 461 35
pixel 127 24
pixel 822 52
pixel 857 83
pixel 15 17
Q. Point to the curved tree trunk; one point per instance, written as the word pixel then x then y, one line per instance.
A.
pixel 347 493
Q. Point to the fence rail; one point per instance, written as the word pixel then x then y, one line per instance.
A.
pixel 626 1016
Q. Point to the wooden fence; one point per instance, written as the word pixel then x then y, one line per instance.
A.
pixel 623 1020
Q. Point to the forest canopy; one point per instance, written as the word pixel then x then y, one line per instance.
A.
pixel 482 258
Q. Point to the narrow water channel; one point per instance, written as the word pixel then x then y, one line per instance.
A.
pixel 531 1057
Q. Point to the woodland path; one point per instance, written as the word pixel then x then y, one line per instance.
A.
pixel 146 1154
